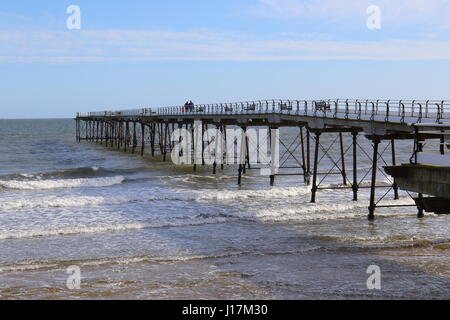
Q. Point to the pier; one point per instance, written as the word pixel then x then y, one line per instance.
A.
pixel 382 122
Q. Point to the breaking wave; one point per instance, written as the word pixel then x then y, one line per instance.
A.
pixel 274 193
pixel 325 211
pixel 61 183
pixel 103 227
pixel 72 230
pixel 51 202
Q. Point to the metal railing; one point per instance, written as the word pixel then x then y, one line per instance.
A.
pixel 434 136
pixel 119 113
pixel 403 111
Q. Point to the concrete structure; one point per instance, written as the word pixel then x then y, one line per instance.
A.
pixel 429 172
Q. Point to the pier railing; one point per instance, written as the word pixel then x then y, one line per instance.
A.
pixel 403 111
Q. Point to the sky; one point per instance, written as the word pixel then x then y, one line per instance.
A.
pixel 141 53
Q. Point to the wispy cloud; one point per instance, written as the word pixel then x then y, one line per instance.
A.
pixel 14 19
pixel 395 12
pixel 140 45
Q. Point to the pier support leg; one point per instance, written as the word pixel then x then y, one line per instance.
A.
pixel 86 126
pixel 308 157
pixel 242 155
pixel 194 147
pixel 127 136
pixel 134 138
pixel 343 171
pixel 88 130
pixel 272 180
pixel 93 131
pixel 77 126
pixel 305 178
pixel 166 129
pixel 247 151
pixel 316 164
pixel 372 204
pixel 102 132
pixel 394 163
pixel 119 135
pixel 420 207
pixel 355 168
pixel 274 153
pixel 172 143
pixel 240 174
pixel 107 133
pixel 204 129
pixel 152 129
pixel 224 143
pixel 216 146
pixel 142 138
pixel 244 150
pixel 115 129
pixel 97 136
pixel 110 136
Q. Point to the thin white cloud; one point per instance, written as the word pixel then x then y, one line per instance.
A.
pixel 394 12
pixel 140 45
pixel 10 18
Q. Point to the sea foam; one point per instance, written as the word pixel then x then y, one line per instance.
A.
pixel 61 183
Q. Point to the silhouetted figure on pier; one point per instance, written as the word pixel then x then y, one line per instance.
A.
pixel 189 106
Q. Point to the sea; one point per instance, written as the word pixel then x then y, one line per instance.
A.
pixel 131 227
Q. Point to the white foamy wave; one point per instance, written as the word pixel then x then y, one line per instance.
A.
pixel 392 240
pixel 61 183
pixel 55 231
pixel 27 267
pixel 126 260
pixel 51 202
pixel 190 221
pixel 83 228
pixel 325 211
pixel 273 193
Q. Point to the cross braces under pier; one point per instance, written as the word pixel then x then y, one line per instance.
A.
pixel 381 121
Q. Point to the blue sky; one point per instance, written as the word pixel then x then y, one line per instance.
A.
pixel 138 53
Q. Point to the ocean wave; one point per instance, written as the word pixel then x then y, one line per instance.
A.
pixel 395 240
pixel 86 201
pixel 65 173
pixel 61 183
pixel 324 211
pixel 71 173
pixel 60 264
pixel 72 230
pixel 108 227
pixel 51 202
pixel 273 193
